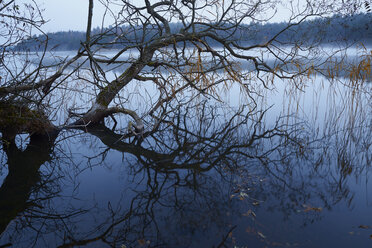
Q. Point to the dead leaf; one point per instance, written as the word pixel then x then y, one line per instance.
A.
pixel 261 235
pixel 364 227
pixel 276 244
pixel 250 212
pixel 242 194
pixel 256 203
pixel 310 208
pixel 141 242
pixel 233 240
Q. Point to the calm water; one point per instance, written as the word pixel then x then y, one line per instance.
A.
pixel 291 170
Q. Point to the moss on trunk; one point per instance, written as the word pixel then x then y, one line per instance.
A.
pixel 21 119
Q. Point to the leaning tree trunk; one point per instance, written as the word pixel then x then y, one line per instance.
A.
pixel 100 108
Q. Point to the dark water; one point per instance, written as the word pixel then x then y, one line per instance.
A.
pixel 295 174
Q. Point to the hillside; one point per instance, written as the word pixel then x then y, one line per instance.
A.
pixel 336 29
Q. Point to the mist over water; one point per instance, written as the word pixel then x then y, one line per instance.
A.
pixel 287 165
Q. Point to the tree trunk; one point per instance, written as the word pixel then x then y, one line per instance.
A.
pixel 99 110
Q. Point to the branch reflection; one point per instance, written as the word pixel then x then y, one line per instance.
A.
pixel 204 174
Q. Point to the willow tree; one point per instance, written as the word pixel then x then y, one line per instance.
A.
pixel 178 46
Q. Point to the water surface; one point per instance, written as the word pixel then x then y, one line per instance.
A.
pixel 288 167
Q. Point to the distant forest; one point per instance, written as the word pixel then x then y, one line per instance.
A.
pixel 336 29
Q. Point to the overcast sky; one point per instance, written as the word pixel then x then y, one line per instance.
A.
pixel 69 14
pixel 64 15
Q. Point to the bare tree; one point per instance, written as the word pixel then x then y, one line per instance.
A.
pixel 199 54
pixel 185 49
pixel 187 52
pixel 25 80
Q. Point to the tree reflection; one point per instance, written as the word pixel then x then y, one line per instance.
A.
pixel 197 178
pixel 23 177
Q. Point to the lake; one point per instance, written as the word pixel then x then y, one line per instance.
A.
pixel 285 166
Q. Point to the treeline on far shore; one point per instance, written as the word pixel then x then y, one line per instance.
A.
pixel 336 29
